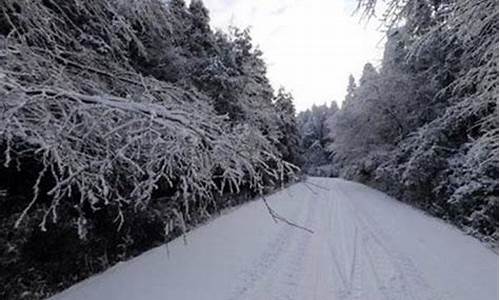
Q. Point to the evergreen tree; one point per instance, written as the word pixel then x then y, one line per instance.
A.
pixel 369 74
pixel 351 88
pixel 201 38
pixel 289 139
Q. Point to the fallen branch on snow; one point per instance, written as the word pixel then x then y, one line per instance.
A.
pixel 276 217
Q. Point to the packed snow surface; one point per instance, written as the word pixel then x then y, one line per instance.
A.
pixel 365 245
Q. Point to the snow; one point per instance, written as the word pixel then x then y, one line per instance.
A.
pixel 365 245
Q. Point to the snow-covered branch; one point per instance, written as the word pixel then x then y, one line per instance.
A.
pixel 109 136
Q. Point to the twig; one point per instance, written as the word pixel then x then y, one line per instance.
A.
pixel 276 217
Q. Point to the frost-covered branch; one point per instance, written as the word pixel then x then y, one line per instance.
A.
pixel 104 133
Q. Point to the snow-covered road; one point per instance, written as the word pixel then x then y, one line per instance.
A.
pixel 365 246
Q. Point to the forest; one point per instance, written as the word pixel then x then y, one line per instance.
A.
pixel 126 123
pixel 423 126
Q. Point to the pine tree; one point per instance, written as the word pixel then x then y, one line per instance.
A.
pixel 289 139
pixel 351 88
pixel 369 74
pixel 201 40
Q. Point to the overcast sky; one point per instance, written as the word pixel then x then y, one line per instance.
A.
pixel 310 46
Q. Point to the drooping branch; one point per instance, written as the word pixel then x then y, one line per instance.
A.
pixel 115 150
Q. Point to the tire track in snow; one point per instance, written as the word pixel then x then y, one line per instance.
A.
pixel 278 269
pixel 395 275
pixel 348 242
pixel 292 276
pixel 335 237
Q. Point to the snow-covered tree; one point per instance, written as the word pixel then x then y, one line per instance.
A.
pixel 351 87
pixel 289 139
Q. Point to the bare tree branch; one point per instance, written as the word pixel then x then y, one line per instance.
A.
pixel 278 218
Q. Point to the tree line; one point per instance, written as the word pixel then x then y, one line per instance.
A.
pixel 423 126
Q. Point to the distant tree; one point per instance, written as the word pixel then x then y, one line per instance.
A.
pixel 289 139
pixel 351 87
pixel 369 74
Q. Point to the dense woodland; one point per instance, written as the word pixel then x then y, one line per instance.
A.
pixel 124 123
pixel 314 131
pixel 422 126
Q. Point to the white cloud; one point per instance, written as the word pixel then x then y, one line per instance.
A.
pixel 310 46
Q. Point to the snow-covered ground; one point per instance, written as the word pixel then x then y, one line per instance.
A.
pixel 365 245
